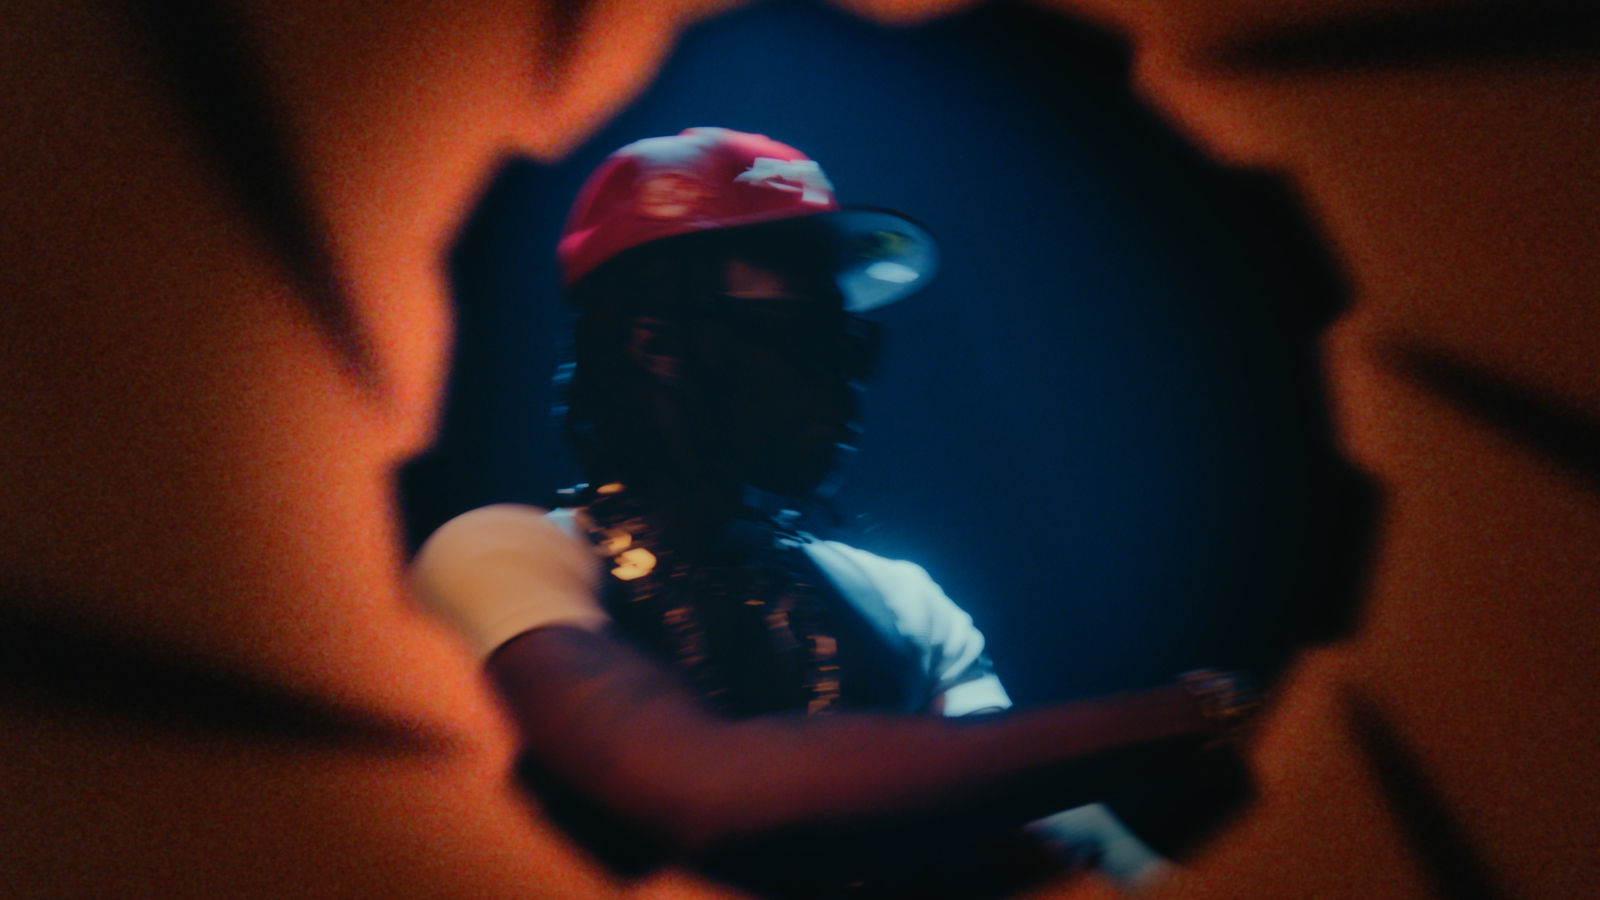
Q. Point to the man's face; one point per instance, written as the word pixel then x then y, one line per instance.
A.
pixel 776 367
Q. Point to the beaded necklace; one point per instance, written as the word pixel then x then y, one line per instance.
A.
pixel 749 633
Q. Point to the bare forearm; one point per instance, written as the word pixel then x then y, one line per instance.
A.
pixel 879 765
pixel 617 728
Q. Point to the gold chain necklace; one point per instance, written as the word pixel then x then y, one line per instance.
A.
pixel 668 604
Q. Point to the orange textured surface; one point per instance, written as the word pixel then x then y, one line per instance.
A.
pixel 190 466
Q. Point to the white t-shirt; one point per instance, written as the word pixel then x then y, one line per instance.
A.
pixel 498 571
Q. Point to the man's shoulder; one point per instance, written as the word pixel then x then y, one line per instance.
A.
pixel 917 602
pixel 503 527
pixel 950 645
pixel 895 574
pixel 498 570
pixel 498 517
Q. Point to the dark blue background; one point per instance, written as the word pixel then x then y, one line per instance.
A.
pixel 1100 429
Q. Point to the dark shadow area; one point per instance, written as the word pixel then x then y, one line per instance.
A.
pixel 1552 427
pixel 70 666
pixel 201 50
pixel 1435 833
pixel 1385 38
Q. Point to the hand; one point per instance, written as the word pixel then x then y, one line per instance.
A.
pixel 1227 703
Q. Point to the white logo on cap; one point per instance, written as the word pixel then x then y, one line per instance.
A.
pixel 812 186
pixel 673 194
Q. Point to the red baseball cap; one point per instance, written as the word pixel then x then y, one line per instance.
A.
pixel 710 178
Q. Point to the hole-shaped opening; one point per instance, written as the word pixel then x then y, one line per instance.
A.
pixel 1102 429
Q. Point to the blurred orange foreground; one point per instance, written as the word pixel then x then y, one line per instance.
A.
pixel 226 323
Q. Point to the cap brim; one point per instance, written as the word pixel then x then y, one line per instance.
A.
pixel 880 256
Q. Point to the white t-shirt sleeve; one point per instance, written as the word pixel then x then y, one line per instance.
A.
pixel 951 646
pixel 498 571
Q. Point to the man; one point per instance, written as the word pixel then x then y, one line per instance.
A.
pixel 687 669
